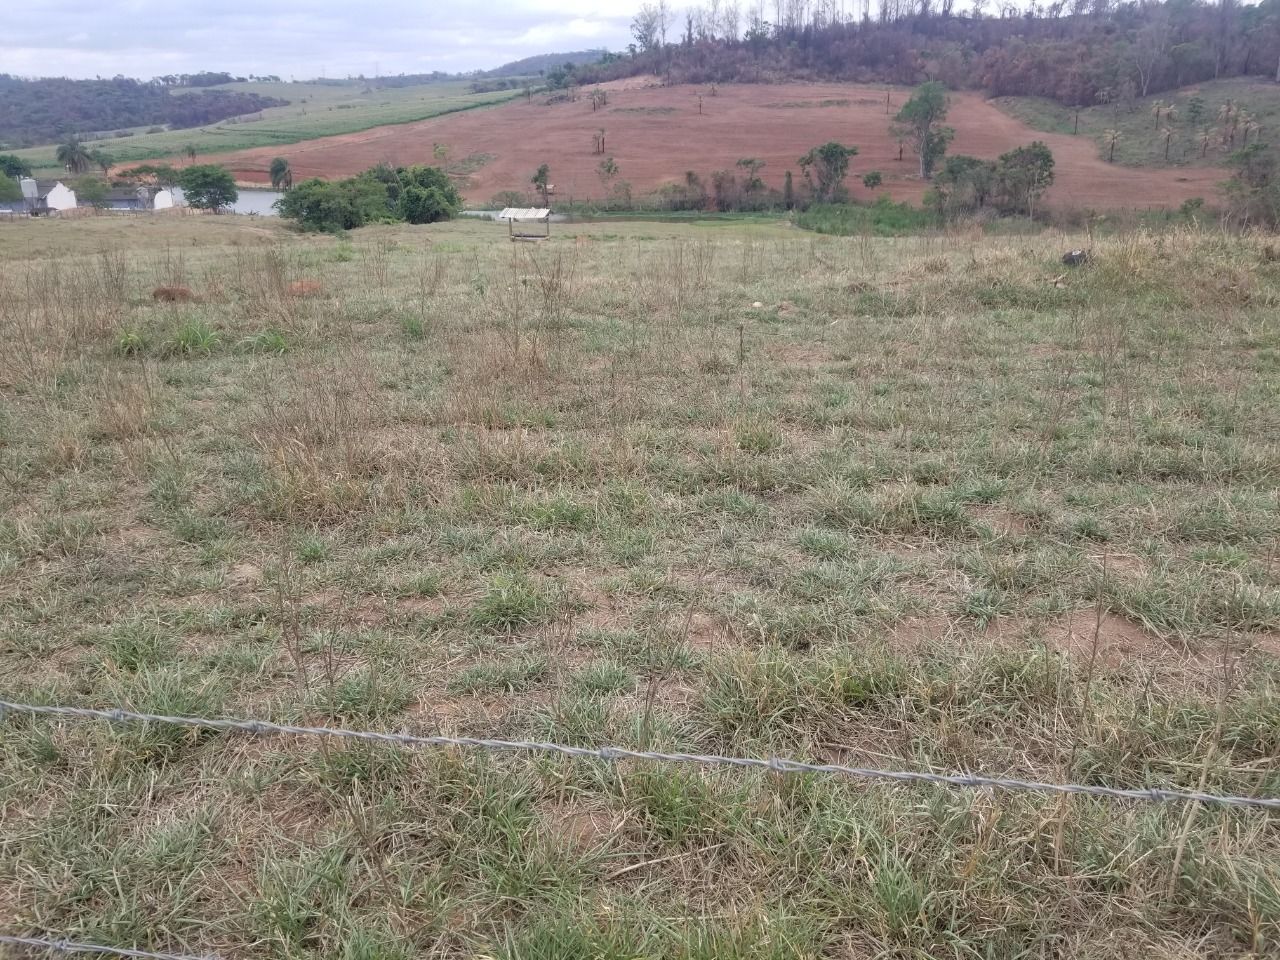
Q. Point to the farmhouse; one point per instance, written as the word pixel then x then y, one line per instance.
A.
pixel 41 197
pixel 137 198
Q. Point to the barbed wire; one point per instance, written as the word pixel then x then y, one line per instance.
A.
pixel 72 946
pixel 613 754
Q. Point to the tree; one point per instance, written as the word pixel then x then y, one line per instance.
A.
pixel 1206 138
pixel 208 186
pixel 646 27
pixel 963 185
pixel 344 205
pixel 872 179
pixel 607 170
pixel 161 174
pixel 1112 137
pixel 102 160
pixel 12 166
pixel 281 174
pixel 540 181
pixel 422 194
pixel 919 123
pixel 825 168
pixel 9 190
pixel 189 151
pixel 1195 111
pixel 91 191
pixel 424 205
pixel 788 192
pixel 1022 177
pixel 73 156
pixel 752 166
pixel 1168 135
pixel 1253 192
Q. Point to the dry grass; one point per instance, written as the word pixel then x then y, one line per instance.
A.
pixel 921 508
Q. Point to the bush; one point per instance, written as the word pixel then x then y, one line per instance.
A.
pixel 884 218
pixel 413 194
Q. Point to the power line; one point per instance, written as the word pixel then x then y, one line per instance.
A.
pixel 613 754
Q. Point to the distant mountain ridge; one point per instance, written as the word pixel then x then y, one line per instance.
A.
pixel 542 62
pixel 44 110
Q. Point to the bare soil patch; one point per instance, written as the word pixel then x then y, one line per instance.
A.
pixel 656 133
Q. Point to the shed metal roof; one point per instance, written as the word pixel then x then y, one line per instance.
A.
pixel 524 213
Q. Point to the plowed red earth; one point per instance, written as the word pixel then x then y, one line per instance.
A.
pixel 656 133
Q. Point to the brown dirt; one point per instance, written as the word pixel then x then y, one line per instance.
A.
pixel 652 146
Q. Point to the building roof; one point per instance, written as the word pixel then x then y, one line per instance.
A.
pixel 524 213
pixel 126 193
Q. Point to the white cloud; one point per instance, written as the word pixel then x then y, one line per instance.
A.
pixel 144 38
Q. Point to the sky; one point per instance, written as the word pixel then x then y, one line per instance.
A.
pixel 293 38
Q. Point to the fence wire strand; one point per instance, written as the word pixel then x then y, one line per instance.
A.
pixel 72 946
pixel 613 754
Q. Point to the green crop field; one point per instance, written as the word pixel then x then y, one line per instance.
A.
pixel 926 503
pixel 314 110
pixel 1201 135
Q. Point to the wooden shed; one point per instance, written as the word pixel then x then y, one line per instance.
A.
pixel 522 223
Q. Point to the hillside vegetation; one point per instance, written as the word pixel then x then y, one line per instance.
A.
pixel 1207 124
pixel 48 109
pixel 932 504
pixel 1077 53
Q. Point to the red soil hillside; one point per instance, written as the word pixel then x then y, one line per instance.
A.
pixel 655 134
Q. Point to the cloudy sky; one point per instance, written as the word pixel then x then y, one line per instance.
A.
pixel 146 38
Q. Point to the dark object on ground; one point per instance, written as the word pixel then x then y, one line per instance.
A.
pixel 173 294
pixel 1075 258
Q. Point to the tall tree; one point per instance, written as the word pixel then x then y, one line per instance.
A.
pixel 281 174
pixel 14 166
pixel 73 156
pixel 208 187
pixel 541 182
pixel 919 123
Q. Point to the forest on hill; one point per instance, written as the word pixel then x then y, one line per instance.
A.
pixel 1072 51
pixel 51 108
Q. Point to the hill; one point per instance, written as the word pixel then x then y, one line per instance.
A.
pixel 544 62
pixel 1080 53
pixel 306 110
pixel 1207 122
pixel 48 109
pixel 657 133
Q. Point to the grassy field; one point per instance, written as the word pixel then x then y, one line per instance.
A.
pixel 917 503
pixel 314 110
pixel 1142 142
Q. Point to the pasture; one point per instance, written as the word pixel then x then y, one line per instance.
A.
pixel 314 110
pixel 930 504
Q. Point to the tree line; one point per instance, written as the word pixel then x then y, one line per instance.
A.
pixel 46 110
pixel 1077 52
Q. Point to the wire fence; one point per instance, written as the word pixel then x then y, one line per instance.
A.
pixel 72 946
pixel 614 754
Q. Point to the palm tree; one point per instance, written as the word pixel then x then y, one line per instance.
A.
pixel 1226 116
pixel 1250 126
pixel 189 151
pixel 281 175
pixel 1167 133
pixel 1206 138
pixel 73 156
pixel 1157 108
pixel 1112 137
